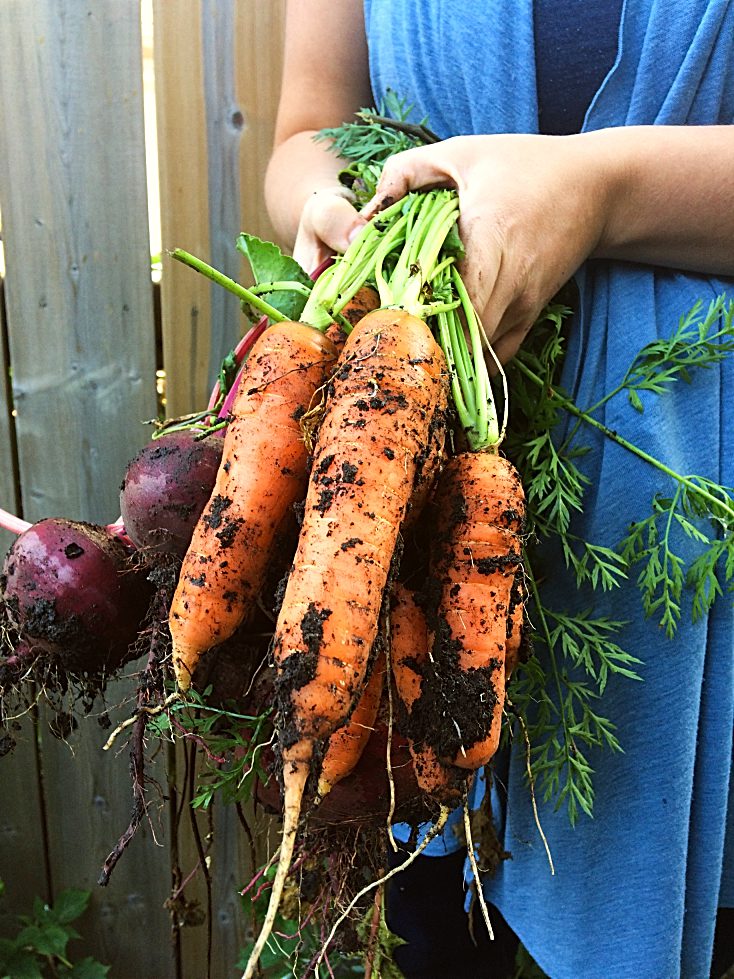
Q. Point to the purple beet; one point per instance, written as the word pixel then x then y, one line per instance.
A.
pixel 166 488
pixel 69 592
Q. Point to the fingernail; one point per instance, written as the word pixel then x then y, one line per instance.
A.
pixel 367 208
pixel 356 230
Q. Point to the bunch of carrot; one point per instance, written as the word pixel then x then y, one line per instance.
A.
pixel 384 387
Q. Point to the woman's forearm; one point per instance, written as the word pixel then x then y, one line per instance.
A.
pixel 298 168
pixel 671 196
pixel 325 81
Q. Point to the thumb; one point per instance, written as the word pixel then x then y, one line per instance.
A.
pixel 332 219
pixel 419 168
pixel 328 223
pixel 338 224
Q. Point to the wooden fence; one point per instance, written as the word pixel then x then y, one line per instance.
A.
pixel 80 353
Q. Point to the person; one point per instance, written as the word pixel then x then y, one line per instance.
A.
pixel 593 142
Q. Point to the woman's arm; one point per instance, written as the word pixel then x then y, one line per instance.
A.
pixel 533 208
pixel 674 199
pixel 325 81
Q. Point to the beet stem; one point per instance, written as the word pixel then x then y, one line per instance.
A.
pixel 8 521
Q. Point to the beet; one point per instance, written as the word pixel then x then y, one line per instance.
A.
pixel 69 592
pixel 364 795
pixel 166 488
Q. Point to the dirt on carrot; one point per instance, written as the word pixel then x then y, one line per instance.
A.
pixel 262 474
pixel 476 584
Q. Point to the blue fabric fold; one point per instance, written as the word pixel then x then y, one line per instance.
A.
pixel 636 888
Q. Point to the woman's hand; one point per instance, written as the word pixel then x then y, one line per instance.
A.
pixel 328 223
pixel 532 208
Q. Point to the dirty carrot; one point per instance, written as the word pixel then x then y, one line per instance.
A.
pixel 409 663
pixel 379 409
pixel 262 474
pixel 477 581
pixel 346 744
pixel 364 301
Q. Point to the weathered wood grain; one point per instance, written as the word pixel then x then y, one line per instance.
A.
pixel 184 200
pixel 259 30
pixel 218 66
pixel 8 470
pixel 81 344
pixel 78 291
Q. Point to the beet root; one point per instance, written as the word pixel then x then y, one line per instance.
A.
pixel 165 489
pixel 70 595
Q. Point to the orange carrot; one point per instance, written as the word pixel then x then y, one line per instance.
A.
pixel 346 744
pixel 384 398
pixel 409 663
pixel 477 572
pixel 364 301
pixel 381 404
pixel 262 474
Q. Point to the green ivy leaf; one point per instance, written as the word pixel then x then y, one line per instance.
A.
pixel 70 905
pixel 46 939
pixel 269 264
pixel 87 968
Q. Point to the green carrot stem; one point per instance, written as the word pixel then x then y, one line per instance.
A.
pixel 397 234
pixel 687 481
pixel 441 267
pixel 339 283
pixel 465 413
pixel 435 219
pixel 262 288
pixel 461 358
pixel 487 414
pixel 246 295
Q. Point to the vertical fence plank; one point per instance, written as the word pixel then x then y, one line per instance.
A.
pixel 227 53
pixel 89 801
pixel 78 294
pixel 23 856
pixel 186 304
pixel 241 43
pixel 221 60
pixel 225 128
pixel 259 32
pixel 8 472
pixel 81 341
pixel 183 167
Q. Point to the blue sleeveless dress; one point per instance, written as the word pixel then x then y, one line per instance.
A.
pixel 636 888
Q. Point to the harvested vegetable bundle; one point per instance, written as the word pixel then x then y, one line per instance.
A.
pixel 386 396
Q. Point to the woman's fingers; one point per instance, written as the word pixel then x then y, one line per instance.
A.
pixel 328 223
pixel 416 169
